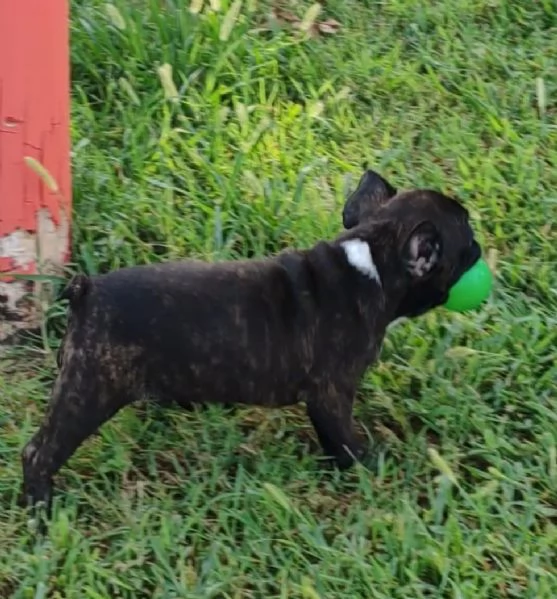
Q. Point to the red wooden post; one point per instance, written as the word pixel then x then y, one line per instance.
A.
pixel 35 208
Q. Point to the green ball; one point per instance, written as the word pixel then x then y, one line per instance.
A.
pixel 473 288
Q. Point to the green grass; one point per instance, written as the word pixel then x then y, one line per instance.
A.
pixel 257 155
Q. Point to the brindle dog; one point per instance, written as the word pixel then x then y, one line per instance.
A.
pixel 301 326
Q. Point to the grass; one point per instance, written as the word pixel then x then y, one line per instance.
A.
pixel 255 153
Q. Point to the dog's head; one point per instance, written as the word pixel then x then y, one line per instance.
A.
pixel 434 242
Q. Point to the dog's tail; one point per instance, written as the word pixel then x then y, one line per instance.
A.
pixel 76 289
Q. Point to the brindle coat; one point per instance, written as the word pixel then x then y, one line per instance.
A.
pixel 300 326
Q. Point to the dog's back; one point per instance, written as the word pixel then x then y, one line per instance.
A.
pixel 195 332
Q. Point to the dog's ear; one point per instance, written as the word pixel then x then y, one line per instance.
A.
pixel 422 250
pixel 372 191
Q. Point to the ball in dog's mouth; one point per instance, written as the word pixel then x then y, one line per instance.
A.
pixel 472 289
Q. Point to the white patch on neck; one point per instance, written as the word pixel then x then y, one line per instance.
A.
pixel 359 256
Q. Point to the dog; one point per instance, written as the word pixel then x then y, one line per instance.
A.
pixel 303 325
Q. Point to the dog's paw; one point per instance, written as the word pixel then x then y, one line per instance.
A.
pixel 349 456
pixel 38 505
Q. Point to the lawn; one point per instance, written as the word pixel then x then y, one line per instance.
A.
pixel 223 134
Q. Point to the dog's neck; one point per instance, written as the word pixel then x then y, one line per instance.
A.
pixel 374 255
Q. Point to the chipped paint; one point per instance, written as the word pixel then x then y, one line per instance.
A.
pixel 19 247
pixel 41 252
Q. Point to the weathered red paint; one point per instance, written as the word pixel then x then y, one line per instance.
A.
pixel 34 123
pixel 34 114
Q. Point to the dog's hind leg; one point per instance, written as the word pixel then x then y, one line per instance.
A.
pixel 81 402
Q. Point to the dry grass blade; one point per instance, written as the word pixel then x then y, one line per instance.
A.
pixel 308 24
pixel 230 20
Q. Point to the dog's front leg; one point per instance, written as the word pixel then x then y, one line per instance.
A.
pixel 330 412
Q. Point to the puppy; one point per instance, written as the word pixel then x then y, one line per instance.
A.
pixel 301 326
